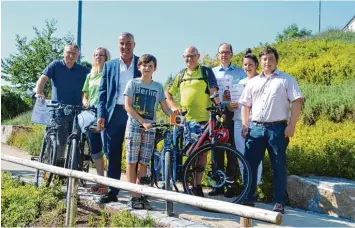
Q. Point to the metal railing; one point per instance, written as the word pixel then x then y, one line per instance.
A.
pixel 246 213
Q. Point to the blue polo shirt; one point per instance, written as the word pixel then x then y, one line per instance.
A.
pixel 66 83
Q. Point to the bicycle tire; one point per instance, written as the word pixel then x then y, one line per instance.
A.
pixel 195 155
pixel 48 156
pixel 40 158
pixel 155 165
pixel 85 159
pixel 167 170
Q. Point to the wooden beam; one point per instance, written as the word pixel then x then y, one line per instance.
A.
pixel 210 204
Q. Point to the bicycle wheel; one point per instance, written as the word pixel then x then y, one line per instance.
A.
pixel 156 164
pixel 167 171
pixel 48 156
pixel 198 170
pixel 72 184
pixel 85 159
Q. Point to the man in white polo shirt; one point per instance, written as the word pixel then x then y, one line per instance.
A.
pixel 268 96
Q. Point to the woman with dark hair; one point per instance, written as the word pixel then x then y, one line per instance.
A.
pixel 250 66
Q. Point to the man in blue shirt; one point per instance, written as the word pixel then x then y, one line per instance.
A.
pixel 235 74
pixel 67 80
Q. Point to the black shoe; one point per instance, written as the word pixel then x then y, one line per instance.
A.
pixel 135 203
pixel 197 191
pixel 145 203
pixel 216 192
pixel 247 203
pixel 279 208
pixel 231 190
pixel 107 198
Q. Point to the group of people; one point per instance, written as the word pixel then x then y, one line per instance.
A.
pixel 127 97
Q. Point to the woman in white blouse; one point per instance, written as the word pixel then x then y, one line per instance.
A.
pixel 250 65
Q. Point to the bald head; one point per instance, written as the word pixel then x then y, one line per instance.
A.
pixel 191 50
pixel 191 57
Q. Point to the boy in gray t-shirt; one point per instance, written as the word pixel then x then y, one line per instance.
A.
pixel 142 96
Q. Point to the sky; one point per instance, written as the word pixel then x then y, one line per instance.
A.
pixel 166 28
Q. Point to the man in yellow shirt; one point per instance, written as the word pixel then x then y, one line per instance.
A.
pixel 195 83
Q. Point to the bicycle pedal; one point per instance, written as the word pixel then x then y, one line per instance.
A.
pixel 34 158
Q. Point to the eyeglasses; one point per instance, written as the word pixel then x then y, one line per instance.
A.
pixel 71 53
pixel 190 56
pixel 100 55
pixel 225 52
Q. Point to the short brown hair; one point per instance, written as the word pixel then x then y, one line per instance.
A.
pixel 268 50
pixel 147 58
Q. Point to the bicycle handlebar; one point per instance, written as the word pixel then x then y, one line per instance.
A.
pixel 218 107
pixel 71 107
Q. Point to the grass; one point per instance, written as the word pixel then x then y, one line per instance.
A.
pixel 122 219
pixel 29 140
pixel 44 207
pixel 21 119
pixel 18 207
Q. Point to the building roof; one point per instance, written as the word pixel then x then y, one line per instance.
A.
pixel 351 20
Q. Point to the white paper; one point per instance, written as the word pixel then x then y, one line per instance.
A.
pixel 224 85
pixel 236 91
pixel 40 113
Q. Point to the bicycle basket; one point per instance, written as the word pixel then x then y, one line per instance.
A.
pixel 85 119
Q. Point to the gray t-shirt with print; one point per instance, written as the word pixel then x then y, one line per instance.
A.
pixel 145 99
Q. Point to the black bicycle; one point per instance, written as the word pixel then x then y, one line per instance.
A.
pixel 78 155
pixel 49 153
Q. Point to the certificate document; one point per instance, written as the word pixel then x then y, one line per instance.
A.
pixel 236 91
pixel 40 113
pixel 224 85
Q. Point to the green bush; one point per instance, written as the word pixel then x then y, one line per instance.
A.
pixel 18 207
pixel 127 219
pixel 29 141
pixel 335 34
pixel 324 149
pixel 324 59
pixel 11 103
pixel 336 103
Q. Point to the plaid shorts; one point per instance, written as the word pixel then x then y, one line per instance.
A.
pixel 139 144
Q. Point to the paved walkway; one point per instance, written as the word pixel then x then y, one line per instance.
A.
pixel 185 215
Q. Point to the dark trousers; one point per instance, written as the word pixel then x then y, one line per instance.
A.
pixel 271 137
pixel 114 137
pixel 231 159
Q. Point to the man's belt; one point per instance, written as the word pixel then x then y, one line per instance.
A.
pixel 269 124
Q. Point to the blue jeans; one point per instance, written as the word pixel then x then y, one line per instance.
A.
pixel 95 143
pixel 270 137
pixel 114 136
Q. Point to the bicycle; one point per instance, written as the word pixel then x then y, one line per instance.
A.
pixel 75 157
pixel 48 154
pixel 200 168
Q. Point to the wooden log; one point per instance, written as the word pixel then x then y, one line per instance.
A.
pixel 210 204
pixel 246 222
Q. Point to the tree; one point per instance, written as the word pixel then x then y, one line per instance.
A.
pixel 292 32
pixel 87 64
pixel 11 103
pixel 23 68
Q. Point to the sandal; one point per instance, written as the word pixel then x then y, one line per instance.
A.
pixel 102 190
pixel 97 187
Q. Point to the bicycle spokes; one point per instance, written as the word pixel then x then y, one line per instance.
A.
pixel 216 179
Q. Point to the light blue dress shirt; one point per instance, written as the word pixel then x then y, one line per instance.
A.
pixel 232 72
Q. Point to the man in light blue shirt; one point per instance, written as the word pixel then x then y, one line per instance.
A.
pixel 235 74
